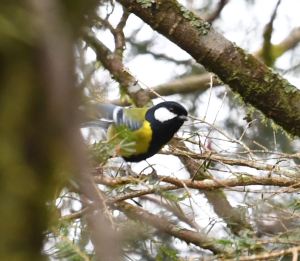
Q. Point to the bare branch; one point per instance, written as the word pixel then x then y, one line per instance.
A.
pixel 113 63
pixel 213 16
pixel 238 162
pixel 266 52
pixel 119 34
pixel 186 85
pixel 78 214
pixel 288 43
pixel 181 216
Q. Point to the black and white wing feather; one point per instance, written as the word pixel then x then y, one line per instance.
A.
pixel 115 114
pixel 121 118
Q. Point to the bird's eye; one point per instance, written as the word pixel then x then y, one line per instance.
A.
pixel 171 109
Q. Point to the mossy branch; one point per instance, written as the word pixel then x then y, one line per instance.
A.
pixel 258 85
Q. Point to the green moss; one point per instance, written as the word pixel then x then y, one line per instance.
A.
pixel 196 22
pixel 289 88
pixel 235 46
pixel 144 3
pixel 250 111
pixel 270 80
pixel 186 12
pixel 266 78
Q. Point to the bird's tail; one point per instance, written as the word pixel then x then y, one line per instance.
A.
pixel 96 124
pixel 105 110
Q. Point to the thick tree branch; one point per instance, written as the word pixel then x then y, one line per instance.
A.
pixel 257 85
pixel 191 84
pixel 113 63
pixel 179 214
pixel 164 225
pixel 206 184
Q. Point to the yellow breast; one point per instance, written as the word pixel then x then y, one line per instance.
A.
pixel 130 142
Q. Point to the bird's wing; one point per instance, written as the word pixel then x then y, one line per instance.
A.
pixel 132 118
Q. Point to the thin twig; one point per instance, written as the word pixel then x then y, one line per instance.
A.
pixel 67 240
pixel 268 255
pixel 138 81
pixel 210 92
pixel 248 125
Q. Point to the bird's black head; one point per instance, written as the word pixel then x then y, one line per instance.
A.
pixel 166 118
pixel 167 112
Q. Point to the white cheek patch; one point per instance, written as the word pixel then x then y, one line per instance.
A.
pixel 163 114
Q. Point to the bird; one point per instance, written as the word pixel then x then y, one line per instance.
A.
pixel 139 132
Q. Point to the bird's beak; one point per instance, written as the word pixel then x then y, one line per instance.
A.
pixel 183 117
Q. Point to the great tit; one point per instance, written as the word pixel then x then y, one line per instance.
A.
pixel 140 132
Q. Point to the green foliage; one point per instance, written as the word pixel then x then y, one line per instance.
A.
pixel 64 251
pixel 101 151
pixel 173 199
pixel 165 254
pixel 71 241
pixel 240 244
pixel 201 25
pixel 295 204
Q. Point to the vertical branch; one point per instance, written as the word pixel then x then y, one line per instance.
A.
pixel 266 53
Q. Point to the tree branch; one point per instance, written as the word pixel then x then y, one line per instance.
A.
pixel 217 198
pixel 179 214
pixel 238 162
pixel 206 184
pixel 191 84
pixel 164 225
pixel 288 43
pixel 266 53
pixel 211 17
pixel 268 255
pixel 113 63
pixel 257 85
